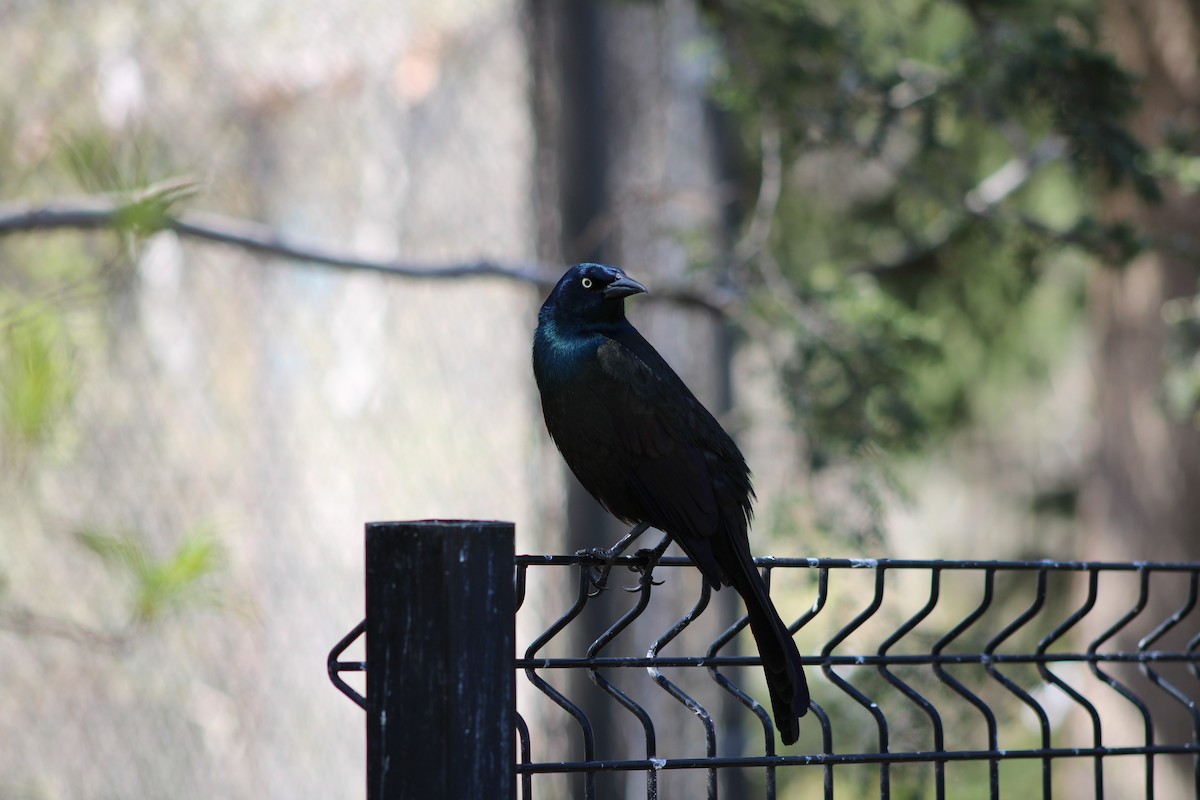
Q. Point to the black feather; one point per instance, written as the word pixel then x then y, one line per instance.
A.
pixel 642 444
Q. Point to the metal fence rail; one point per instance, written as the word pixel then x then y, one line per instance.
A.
pixel 916 667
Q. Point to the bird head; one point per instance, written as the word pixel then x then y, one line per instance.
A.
pixel 590 293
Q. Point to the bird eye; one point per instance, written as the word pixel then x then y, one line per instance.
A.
pixel 587 283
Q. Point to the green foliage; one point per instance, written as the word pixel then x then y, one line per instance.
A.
pixel 1087 95
pixel 938 163
pixel 1182 385
pixel 1178 159
pixel 863 332
pixel 135 166
pixel 53 325
pixel 37 376
pixel 160 585
pixel 100 159
pixel 149 210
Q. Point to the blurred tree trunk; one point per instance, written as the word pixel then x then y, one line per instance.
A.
pixel 572 175
pixel 628 172
pixel 1142 498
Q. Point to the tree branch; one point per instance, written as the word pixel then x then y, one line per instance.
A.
pixel 980 201
pixel 104 213
pixel 770 187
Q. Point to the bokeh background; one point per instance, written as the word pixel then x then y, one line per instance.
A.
pixel 934 263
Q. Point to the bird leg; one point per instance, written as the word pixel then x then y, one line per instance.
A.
pixel 652 556
pixel 609 555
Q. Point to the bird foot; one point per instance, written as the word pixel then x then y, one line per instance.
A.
pixel 609 555
pixel 598 575
pixel 646 571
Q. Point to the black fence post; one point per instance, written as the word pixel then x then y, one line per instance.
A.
pixel 440 680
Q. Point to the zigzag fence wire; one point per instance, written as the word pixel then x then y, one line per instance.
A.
pixel 938 678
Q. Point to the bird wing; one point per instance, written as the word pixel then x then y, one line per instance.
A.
pixel 667 434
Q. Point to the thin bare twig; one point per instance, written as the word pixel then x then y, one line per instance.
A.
pixel 770 187
pixel 981 201
pixel 752 249
pixel 104 213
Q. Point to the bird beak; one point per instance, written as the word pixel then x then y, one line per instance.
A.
pixel 622 287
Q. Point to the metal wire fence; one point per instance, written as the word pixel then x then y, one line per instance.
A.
pixel 949 678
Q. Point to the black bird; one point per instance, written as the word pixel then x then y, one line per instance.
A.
pixel 642 444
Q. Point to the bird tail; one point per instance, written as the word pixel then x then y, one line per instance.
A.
pixel 777 649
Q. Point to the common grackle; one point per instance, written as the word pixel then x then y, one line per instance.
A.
pixel 642 444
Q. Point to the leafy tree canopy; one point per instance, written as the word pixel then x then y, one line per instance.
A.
pixel 936 164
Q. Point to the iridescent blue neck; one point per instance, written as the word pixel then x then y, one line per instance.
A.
pixel 561 351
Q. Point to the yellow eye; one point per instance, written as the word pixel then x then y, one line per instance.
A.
pixel 587 283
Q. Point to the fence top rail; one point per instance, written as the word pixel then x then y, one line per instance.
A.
pixel 889 563
pixel 809 759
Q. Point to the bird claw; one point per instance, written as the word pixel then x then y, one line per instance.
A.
pixel 646 572
pixel 642 583
pixel 598 576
